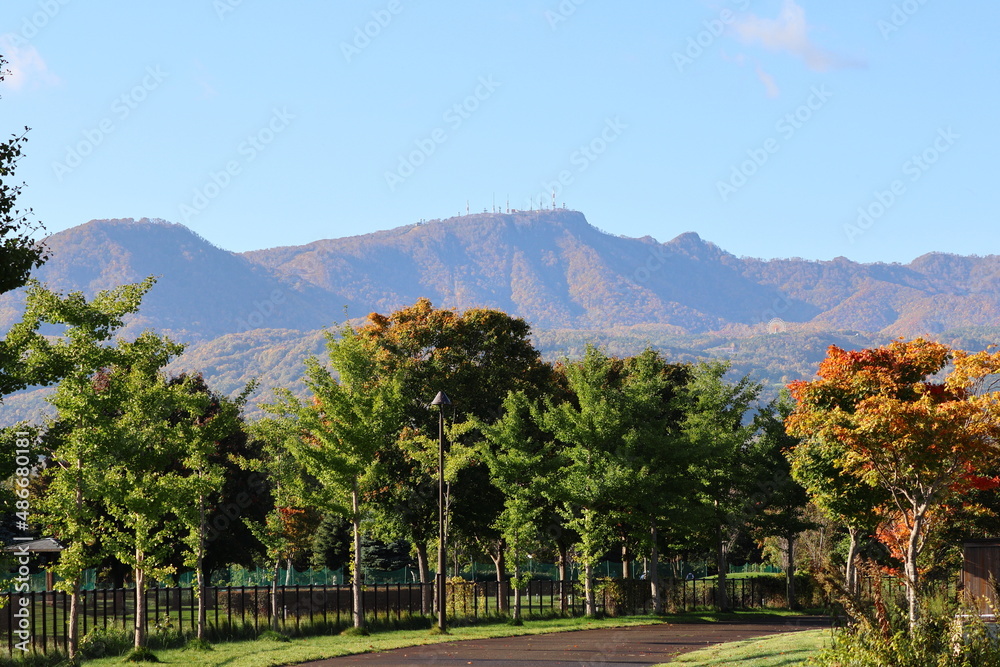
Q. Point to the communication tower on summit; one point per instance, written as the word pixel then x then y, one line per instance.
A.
pixel 553 200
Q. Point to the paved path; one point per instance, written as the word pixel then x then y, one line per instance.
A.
pixel 617 647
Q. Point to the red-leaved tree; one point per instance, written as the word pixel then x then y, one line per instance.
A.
pixel 913 418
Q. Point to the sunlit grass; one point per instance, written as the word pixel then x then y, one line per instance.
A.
pixel 783 650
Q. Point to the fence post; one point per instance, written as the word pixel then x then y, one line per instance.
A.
pixel 65 623
pixel 45 629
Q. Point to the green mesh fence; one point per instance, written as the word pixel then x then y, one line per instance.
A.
pixel 482 571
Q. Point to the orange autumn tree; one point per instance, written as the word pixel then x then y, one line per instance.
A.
pixel 915 419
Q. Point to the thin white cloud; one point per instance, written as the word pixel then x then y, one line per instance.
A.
pixel 769 83
pixel 24 64
pixel 204 80
pixel 788 33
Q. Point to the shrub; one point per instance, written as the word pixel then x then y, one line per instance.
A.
pixel 101 642
pixel 945 637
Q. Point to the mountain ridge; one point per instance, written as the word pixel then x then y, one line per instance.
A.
pixel 259 313
pixel 551 267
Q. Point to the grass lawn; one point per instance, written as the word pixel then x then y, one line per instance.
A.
pixel 784 650
pixel 268 653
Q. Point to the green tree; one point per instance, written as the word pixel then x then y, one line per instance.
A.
pixel 778 504
pixel 624 453
pixel 844 499
pixel 280 530
pixel 75 441
pixel 145 489
pixel 521 465
pixel 337 435
pixel 19 254
pixel 721 433
pixel 203 476
pixel 476 357
pixel 657 452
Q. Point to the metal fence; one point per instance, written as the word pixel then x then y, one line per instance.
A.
pixel 40 619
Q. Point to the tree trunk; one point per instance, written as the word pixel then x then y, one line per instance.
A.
pixel 721 594
pixel 359 612
pixel 274 594
pixel 626 563
pixel 140 601
pixel 73 632
pixel 912 575
pixel 500 561
pixel 288 571
pixel 589 607
pixel 517 591
pixel 200 569
pixel 654 571
pixel 851 568
pixel 425 578
pixel 790 575
pixel 563 577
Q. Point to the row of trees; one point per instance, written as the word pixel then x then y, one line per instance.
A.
pixel 636 454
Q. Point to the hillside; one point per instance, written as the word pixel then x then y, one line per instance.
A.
pixel 257 314
pixel 202 292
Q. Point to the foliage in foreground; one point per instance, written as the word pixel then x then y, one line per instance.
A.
pixel 945 637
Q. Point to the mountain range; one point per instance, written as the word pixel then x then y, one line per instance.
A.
pixel 259 313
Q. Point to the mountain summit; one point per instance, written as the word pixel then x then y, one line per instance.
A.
pixel 551 267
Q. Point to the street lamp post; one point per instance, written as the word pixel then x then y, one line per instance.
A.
pixel 441 400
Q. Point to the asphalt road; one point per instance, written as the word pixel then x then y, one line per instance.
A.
pixel 640 645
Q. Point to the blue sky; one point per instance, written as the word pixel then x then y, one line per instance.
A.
pixel 774 128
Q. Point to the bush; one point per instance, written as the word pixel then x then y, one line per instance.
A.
pixel 196 644
pixel 141 655
pixel 101 642
pixel 943 638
